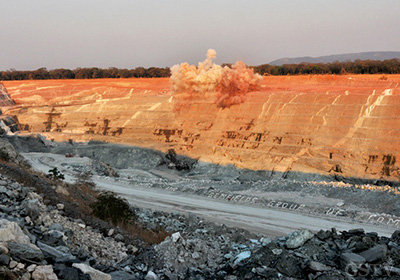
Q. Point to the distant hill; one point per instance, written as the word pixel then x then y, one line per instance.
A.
pixel 338 57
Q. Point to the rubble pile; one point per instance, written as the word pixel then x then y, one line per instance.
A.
pixel 41 242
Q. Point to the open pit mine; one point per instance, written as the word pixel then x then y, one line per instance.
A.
pixel 338 126
pixel 218 164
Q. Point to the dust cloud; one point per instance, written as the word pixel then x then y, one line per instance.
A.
pixel 212 83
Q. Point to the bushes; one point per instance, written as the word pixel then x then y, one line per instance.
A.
pixel 54 174
pixel 112 208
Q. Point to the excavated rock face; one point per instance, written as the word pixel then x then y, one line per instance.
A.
pixel 5 99
pixel 8 124
pixel 341 126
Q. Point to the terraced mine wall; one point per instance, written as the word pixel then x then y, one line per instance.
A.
pixel 340 126
pixel 7 123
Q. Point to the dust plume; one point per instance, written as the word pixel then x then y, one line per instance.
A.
pixel 209 82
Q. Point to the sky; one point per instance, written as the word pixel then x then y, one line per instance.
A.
pixel 161 33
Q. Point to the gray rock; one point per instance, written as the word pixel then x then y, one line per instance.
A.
pixel 24 252
pixel 351 259
pixel 119 237
pixel 376 254
pixel 93 273
pixel 175 236
pixel 298 238
pixel 4 260
pixel 317 266
pixel 391 270
pixel 122 275
pixel 56 254
pixel 57 227
pixel 151 276
pixel 32 208
pixel 53 238
pixel 265 241
pixel 289 266
pixel 242 256
pixel 69 273
pixel 396 235
pixel 7 210
pixel 323 235
pixel 357 231
pixel 132 249
pixel 6 191
pixel 44 272
pixel 195 255
pixel 277 251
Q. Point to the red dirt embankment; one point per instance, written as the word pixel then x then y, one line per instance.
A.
pixel 345 125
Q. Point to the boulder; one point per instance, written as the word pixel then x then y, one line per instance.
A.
pixel 151 276
pixel 53 238
pixel 11 232
pixel 44 272
pixel 93 273
pixel 351 259
pixel 54 253
pixel 298 238
pixel 25 252
pixel 376 254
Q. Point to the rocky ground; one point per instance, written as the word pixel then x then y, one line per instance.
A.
pixel 39 241
pixel 48 232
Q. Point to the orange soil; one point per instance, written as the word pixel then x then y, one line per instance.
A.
pixel 344 125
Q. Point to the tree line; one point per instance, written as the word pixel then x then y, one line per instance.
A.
pixel 391 66
pixel 85 73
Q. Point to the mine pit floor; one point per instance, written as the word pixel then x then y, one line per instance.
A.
pixel 272 208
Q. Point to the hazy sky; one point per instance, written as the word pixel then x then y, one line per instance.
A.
pixel 130 33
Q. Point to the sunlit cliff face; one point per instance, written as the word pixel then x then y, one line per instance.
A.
pixel 211 83
pixel 338 125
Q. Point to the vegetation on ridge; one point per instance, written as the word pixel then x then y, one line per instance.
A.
pixel 391 66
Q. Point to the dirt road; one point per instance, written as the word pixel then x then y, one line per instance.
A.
pixel 269 222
